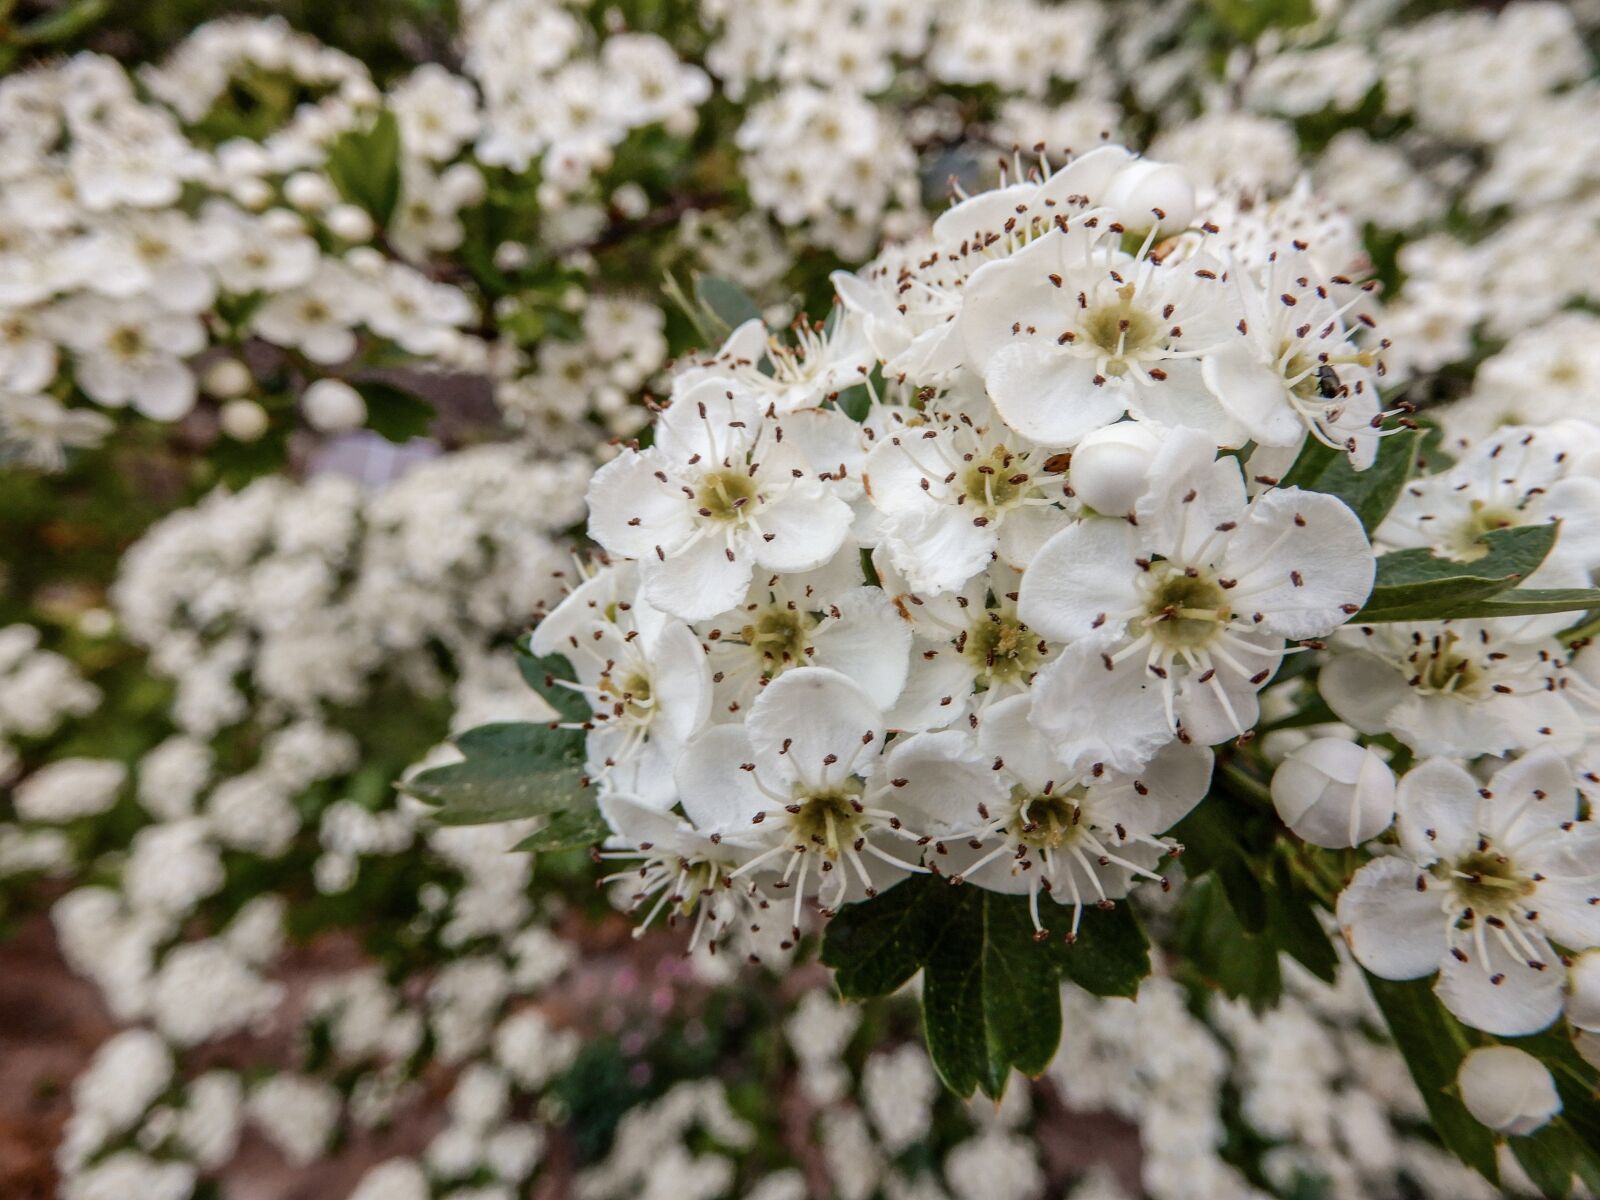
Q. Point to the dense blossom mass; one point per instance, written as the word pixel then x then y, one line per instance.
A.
pixel 1100 470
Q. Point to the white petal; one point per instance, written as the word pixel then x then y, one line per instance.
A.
pixel 1436 808
pixel 1006 733
pixel 1083 582
pixel 1192 492
pixel 1539 786
pixel 937 690
pixel 1024 531
pixel 1394 930
pixel 1097 715
pixel 1362 688
pixel 801 529
pixel 1524 1001
pixel 1175 779
pixel 1568 911
pixel 1254 393
pixel 1050 397
pixel 631 511
pixel 697 582
pixel 809 715
pixel 1181 401
pixel 718 795
pixel 945 782
pixel 870 642
pixel 938 548
pixel 680 684
pixel 1313 580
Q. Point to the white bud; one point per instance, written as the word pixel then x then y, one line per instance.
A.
pixel 1583 986
pixel 1507 1089
pixel 333 406
pixel 1111 467
pixel 1143 189
pixel 349 222
pixel 227 377
pixel 1334 793
pixel 244 420
pixel 511 256
pixel 630 200
pixel 309 192
pixel 253 194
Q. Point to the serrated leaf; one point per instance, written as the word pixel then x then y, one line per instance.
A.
pixel 725 300
pixel 512 770
pixel 394 413
pixel 542 674
pixel 875 946
pixel 991 998
pixel 1370 493
pixel 1111 956
pixel 1433 1045
pixel 364 164
pixel 1417 585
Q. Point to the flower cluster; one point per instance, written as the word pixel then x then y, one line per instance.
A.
pixel 990 625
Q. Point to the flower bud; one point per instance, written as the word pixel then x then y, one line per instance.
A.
pixel 1583 987
pixel 349 222
pixel 1146 193
pixel 309 192
pixel 226 378
pixel 1334 793
pixel 1111 467
pixel 243 420
pixel 333 406
pixel 1507 1089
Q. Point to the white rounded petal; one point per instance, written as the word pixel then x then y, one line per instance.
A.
pixel 1181 401
pixel 1083 582
pixel 1254 394
pixel 699 581
pixel 717 793
pixel 937 781
pixel 1362 689
pixel 801 529
pixel 1226 706
pixel 1163 791
pixel 870 642
pixel 680 683
pixel 165 390
pixel 1569 911
pixel 1006 733
pixel 1095 714
pixel 1390 916
pixel 1111 467
pixel 631 512
pixel 1583 986
pixel 816 726
pixel 1502 994
pixel 1507 1089
pixel 1437 811
pixel 937 692
pixel 938 549
pixel 1050 397
pixel 1539 788
pixel 1310 582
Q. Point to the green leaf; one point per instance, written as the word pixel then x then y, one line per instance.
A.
pixel 1295 927
pixel 61 23
pixel 991 990
pixel 1111 956
pixel 580 825
pixel 512 770
pixel 393 412
pixel 1550 1157
pixel 1433 1045
pixel 1370 493
pixel 1417 585
pixel 991 997
pixel 364 164
pixel 542 674
pixel 877 945
pixel 1221 951
pixel 725 300
pixel 1527 602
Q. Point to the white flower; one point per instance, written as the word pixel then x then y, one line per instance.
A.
pixel 1507 1089
pixel 1333 792
pixel 956 493
pixel 70 788
pixel 1451 687
pixel 806 785
pixel 1484 880
pixel 437 112
pixel 1175 622
pixel 39 430
pixel 644 675
pixel 1071 332
pixel 1080 835
pixel 717 496
pixel 1295 368
pixel 130 352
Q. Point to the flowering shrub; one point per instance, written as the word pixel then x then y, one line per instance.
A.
pixel 656 438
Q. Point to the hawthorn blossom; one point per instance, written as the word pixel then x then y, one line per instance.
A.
pixel 1175 620
pixel 1486 882
pixel 716 497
